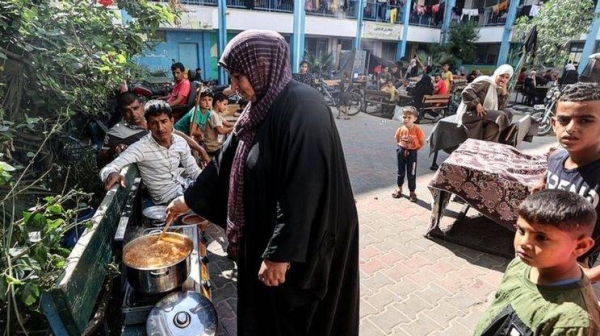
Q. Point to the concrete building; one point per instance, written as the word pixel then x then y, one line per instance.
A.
pixel 389 29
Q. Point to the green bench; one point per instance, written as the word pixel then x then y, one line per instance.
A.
pixel 72 305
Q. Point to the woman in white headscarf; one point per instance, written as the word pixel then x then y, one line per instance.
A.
pixel 483 102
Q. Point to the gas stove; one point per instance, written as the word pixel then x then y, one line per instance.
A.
pixel 136 305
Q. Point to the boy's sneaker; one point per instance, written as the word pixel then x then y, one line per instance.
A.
pixel 413 197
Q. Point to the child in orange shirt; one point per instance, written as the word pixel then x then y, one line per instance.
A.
pixel 410 138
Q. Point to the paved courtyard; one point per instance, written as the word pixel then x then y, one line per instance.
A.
pixel 410 285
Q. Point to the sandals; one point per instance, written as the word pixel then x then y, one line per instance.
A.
pixel 413 197
pixel 397 193
pixel 338 117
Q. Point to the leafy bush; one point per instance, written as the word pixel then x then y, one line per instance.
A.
pixel 59 61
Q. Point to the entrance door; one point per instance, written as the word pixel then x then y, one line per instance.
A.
pixel 188 55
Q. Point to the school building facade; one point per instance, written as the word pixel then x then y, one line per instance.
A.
pixel 388 29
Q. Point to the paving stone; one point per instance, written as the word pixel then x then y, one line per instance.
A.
pixel 367 328
pixel 367 309
pixel 368 252
pixel 412 306
pixel 398 272
pixel 381 299
pixel 433 293
pixel 421 326
pixel 405 287
pixel 377 281
pixel 463 300
pixel 390 318
pixel 444 313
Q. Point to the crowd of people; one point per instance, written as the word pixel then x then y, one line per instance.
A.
pixel 276 181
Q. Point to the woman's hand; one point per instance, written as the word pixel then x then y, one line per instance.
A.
pixel 176 208
pixel 480 110
pixel 272 273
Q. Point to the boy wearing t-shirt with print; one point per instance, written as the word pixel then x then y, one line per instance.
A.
pixel 577 167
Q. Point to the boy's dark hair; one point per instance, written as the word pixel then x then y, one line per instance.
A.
pixel 177 65
pixel 126 99
pixel 410 110
pixel 581 91
pixel 157 107
pixel 562 209
pixel 206 93
pixel 304 62
pixel 219 97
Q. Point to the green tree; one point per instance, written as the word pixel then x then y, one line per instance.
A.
pixel 461 41
pixel 558 23
pixel 58 59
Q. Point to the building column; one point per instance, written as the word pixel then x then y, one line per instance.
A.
pixel 590 41
pixel 359 22
pixel 508 27
pixel 447 18
pixel 222 40
pixel 205 56
pixel 298 36
pixel 401 51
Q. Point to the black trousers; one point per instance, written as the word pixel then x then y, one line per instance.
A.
pixel 407 165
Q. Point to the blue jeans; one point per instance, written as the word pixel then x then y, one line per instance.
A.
pixel 407 165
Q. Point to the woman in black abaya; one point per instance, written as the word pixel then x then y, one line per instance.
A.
pixel 280 187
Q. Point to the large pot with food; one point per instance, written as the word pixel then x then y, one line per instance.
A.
pixel 154 265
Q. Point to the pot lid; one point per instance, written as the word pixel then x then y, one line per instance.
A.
pixel 157 212
pixel 182 313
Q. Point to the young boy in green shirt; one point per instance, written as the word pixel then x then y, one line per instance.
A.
pixel 544 290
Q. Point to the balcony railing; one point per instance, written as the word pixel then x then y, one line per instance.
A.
pixel 378 12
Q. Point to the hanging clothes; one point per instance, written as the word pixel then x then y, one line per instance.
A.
pixel 503 6
pixel 393 15
pixel 469 12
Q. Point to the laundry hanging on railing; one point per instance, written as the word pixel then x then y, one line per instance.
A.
pixel 501 7
pixel 469 12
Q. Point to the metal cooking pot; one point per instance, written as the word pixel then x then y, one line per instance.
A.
pixel 163 278
pixel 182 314
pixel 155 216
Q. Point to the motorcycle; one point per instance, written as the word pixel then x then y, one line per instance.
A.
pixel 543 113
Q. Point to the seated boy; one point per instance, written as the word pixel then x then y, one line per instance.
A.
pixel 577 168
pixel 390 88
pixel 544 291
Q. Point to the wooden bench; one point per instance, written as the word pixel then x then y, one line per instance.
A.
pixel 435 103
pixel 71 305
pixel 387 105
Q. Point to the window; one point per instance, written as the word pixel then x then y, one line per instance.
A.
pixel 346 44
pixel 388 51
pixel 316 46
pixel 157 36
pixel 575 51
pixel 487 54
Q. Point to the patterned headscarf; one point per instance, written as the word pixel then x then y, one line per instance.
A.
pixel 263 57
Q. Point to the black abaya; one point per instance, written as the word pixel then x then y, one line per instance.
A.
pixel 299 208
